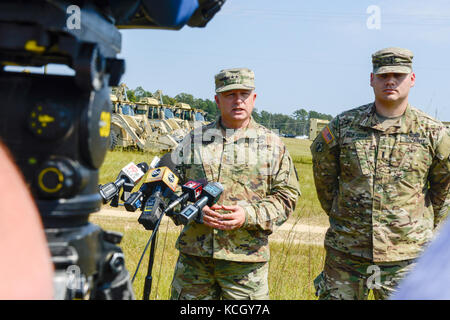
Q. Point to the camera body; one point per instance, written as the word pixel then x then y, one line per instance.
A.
pixel 57 129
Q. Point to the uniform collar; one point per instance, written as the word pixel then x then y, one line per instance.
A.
pixel 232 135
pixel 370 120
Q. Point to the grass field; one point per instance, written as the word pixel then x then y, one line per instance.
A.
pixel 289 259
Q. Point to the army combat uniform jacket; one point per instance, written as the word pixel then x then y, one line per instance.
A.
pixel 385 191
pixel 257 173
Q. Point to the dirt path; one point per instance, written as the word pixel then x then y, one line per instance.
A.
pixel 289 232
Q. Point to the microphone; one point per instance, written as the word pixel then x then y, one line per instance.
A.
pixel 162 177
pixel 160 182
pixel 134 201
pixel 191 192
pixel 153 210
pixel 129 176
pixel 209 196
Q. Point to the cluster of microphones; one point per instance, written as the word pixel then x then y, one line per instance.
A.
pixel 156 196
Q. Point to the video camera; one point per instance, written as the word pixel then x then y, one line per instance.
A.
pixel 58 127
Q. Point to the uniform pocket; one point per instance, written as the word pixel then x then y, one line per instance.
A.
pixel 408 156
pixel 252 178
pixel 365 161
pixel 355 158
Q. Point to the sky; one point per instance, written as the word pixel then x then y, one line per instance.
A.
pixel 314 55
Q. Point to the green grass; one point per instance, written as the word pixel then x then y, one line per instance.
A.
pixel 308 208
pixel 298 149
pixel 292 270
pixel 288 261
pixel 117 159
pixel 135 238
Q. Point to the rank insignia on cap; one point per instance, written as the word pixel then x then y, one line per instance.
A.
pixel 327 135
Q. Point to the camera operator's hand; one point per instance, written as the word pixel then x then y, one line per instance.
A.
pixel 26 267
pixel 229 221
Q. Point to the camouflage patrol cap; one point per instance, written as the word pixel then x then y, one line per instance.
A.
pixel 395 60
pixel 236 78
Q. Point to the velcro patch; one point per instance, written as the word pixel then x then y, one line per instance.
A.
pixel 327 135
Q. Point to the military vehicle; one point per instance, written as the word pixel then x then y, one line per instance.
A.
pixel 160 118
pixel 123 111
pixel 148 124
pixel 190 117
pixel 447 124
pixel 169 118
pixel 130 126
pixel 315 126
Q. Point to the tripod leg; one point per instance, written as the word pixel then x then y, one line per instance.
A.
pixel 148 277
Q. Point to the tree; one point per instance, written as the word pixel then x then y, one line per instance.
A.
pixel 140 92
pixel 131 96
pixel 185 98
pixel 169 100
pixel 301 117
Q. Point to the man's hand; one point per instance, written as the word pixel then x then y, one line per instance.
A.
pixel 229 221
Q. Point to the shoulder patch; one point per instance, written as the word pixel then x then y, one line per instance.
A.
pixel 327 135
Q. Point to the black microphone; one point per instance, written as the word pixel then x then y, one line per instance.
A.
pixel 153 209
pixel 129 176
pixel 161 182
pixel 210 195
pixel 191 192
pixel 162 177
pixel 134 201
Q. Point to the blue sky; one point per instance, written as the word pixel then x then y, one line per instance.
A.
pixel 305 54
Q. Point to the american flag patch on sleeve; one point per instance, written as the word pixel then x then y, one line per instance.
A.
pixel 327 135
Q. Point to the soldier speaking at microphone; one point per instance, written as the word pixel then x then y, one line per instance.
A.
pixel 226 256
pixel 382 174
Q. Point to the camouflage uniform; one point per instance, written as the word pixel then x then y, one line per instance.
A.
pixel 385 191
pixel 258 174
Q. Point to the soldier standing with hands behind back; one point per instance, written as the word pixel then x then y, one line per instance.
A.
pixel 382 174
pixel 226 256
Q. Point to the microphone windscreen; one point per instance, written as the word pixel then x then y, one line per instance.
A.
pixel 143 166
pixel 133 172
pixel 154 162
pixel 166 161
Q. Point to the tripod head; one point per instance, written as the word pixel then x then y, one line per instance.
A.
pixel 57 126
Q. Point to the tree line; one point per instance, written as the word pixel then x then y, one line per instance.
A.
pixel 296 124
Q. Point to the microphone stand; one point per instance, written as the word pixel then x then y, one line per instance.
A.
pixel 151 258
pixel 152 240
